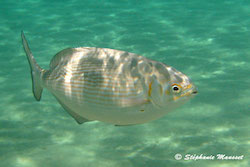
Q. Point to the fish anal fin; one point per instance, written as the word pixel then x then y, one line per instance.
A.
pixel 79 119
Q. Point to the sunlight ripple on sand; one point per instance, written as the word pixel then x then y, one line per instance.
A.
pixel 25 162
pixel 67 137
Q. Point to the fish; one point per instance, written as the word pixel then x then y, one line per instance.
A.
pixel 111 86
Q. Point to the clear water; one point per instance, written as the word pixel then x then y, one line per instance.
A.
pixel 207 40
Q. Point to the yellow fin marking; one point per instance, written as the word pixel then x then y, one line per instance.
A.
pixel 150 88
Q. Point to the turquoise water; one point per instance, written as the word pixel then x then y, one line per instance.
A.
pixel 207 40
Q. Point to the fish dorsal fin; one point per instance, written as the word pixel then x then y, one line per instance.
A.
pixel 62 56
pixel 79 119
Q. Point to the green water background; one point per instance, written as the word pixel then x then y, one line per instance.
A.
pixel 207 40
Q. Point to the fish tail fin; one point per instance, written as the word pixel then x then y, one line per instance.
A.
pixel 36 70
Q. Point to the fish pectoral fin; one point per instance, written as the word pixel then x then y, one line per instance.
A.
pixel 79 119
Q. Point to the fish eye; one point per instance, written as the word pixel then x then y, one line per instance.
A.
pixel 176 88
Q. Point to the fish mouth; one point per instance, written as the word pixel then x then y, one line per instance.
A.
pixel 191 90
pixel 195 91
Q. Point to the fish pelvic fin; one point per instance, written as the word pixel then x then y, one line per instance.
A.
pixel 36 70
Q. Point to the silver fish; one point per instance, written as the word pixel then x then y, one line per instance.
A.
pixel 110 85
